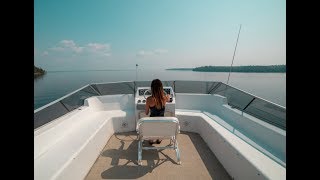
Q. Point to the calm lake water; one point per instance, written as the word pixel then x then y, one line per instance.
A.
pixel 53 85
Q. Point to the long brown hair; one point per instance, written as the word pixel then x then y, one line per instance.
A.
pixel 157 93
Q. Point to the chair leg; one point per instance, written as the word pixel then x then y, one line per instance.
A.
pixel 171 140
pixel 140 152
pixel 174 140
pixel 176 147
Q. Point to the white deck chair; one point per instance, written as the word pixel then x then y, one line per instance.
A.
pixel 151 128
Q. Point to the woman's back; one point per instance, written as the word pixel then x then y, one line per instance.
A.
pixel 154 110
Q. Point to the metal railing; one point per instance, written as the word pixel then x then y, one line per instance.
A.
pixel 255 106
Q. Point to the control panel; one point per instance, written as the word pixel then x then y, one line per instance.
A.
pixel 144 92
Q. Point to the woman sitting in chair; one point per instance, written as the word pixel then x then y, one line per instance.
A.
pixel 156 102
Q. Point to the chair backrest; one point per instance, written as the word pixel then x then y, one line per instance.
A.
pixel 163 127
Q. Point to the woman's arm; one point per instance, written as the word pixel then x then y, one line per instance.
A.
pixel 168 98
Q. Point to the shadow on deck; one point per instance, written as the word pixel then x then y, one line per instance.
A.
pixel 118 160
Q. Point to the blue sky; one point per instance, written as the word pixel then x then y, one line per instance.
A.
pixel 117 34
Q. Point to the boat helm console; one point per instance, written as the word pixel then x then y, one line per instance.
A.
pixel 141 95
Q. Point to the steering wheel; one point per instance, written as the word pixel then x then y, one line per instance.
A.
pixel 144 94
pixel 148 90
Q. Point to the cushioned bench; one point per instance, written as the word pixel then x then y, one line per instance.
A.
pixel 232 151
pixel 73 143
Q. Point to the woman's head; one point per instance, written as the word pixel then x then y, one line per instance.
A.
pixel 156 86
pixel 157 92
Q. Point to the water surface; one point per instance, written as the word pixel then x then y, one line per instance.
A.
pixel 53 85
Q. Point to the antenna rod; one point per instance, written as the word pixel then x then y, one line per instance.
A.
pixel 136 72
pixel 233 55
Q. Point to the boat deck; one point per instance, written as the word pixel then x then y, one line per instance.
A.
pixel 118 160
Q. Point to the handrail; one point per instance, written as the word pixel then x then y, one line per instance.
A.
pixel 256 96
pixel 63 97
pixel 248 104
pixel 277 117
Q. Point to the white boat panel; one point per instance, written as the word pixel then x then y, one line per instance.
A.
pixel 72 142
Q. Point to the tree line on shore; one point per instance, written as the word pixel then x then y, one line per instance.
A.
pixel 254 69
pixel 270 68
pixel 38 71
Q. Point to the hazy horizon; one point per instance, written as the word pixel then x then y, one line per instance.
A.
pixel 88 35
pixel 53 85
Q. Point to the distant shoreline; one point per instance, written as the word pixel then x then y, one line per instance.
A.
pixel 38 72
pixel 180 69
pixel 244 69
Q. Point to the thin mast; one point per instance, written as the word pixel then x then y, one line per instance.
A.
pixel 136 72
pixel 234 55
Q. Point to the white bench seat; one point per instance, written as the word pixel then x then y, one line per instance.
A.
pixel 231 150
pixel 72 141
pixel 67 147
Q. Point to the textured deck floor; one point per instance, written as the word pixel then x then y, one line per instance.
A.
pixel 118 160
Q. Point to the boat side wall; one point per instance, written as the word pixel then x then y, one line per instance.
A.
pixel 81 137
pixel 250 129
pixel 222 128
